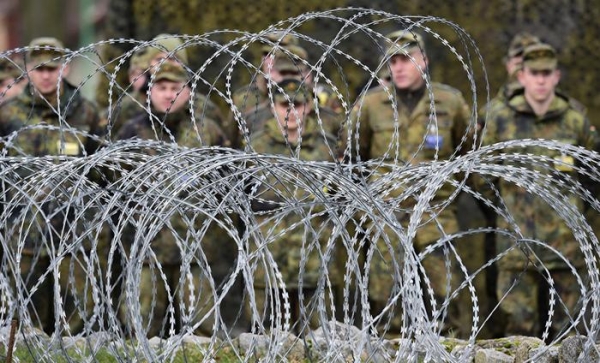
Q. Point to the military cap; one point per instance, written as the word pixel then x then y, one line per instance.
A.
pixel 519 42
pixel 171 72
pixel 138 60
pixel 540 56
pixel 289 58
pixel 294 89
pixel 47 51
pixel 8 69
pixel 406 40
pixel 279 37
pixel 167 43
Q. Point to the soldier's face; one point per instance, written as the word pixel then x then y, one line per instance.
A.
pixel 405 73
pixel 45 79
pixel 169 96
pixel 539 84
pixel 291 117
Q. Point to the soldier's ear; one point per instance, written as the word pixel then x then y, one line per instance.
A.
pixel 558 75
pixel 66 70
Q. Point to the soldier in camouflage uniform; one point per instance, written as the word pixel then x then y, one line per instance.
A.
pixel 12 79
pixel 484 250
pixel 513 62
pixel 164 46
pixel 252 101
pixel 172 123
pixel 538 112
pixel 287 64
pixel 29 125
pixel 417 141
pixel 288 243
pixel 255 94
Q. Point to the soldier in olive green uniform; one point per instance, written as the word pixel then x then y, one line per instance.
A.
pixel 172 123
pixel 478 215
pixel 252 101
pixel 417 140
pixel 141 63
pixel 291 132
pixel 513 62
pixel 287 64
pixel 31 126
pixel 537 113
pixel 255 94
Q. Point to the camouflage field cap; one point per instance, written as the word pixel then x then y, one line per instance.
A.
pixel 519 42
pixel 280 38
pixel 294 89
pixel 138 60
pixel 288 58
pixel 405 41
pixel 539 57
pixel 167 43
pixel 8 69
pixel 171 72
pixel 46 51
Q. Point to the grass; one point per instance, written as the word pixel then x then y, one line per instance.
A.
pixel 103 355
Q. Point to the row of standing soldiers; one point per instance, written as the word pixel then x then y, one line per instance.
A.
pixel 389 122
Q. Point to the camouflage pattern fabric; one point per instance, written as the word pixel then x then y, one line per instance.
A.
pixel 252 102
pixel 415 140
pixel 27 112
pixel 183 231
pixel 525 289
pixel 533 216
pixel 286 239
pixel 328 98
pixel 30 126
pixel 135 104
pixel 516 120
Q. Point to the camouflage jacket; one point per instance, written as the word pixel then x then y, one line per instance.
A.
pixel 285 236
pixel 135 104
pixel 30 126
pixel 513 88
pixel 534 217
pixel 36 122
pixel 411 139
pixel 252 103
pixel 175 127
pixel 178 128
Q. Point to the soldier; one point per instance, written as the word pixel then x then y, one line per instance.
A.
pixel 163 46
pixel 255 94
pixel 31 126
pixel 171 121
pixel 513 62
pixel 538 112
pixel 287 63
pixel 252 101
pixel 291 132
pixel 418 140
pixel 12 79
pixel 137 72
pixel 486 249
